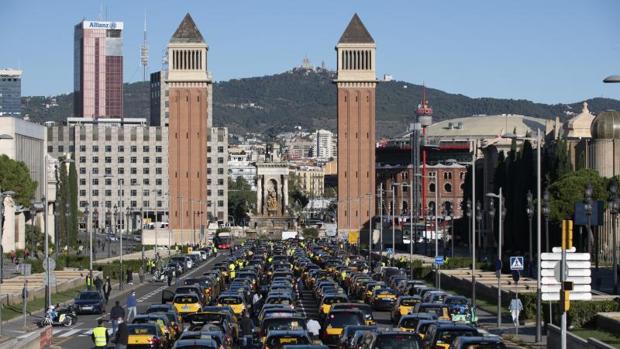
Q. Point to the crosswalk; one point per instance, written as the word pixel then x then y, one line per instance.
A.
pixel 64 332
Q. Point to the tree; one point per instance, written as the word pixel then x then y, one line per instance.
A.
pixel 570 189
pixel 67 204
pixel 297 198
pixel 310 233
pixel 15 176
pixel 241 199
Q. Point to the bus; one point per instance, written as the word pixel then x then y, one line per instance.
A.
pixel 222 240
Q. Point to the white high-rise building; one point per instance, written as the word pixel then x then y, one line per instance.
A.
pixel 324 148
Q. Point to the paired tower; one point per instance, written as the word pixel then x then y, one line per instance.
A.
pixel 356 82
pixel 190 90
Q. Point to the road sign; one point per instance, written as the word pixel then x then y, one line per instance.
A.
pixel 516 275
pixel 498 265
pixel 52 263
pixel 577 271
pixel 439 260
pixel 516 263
pixel 389 251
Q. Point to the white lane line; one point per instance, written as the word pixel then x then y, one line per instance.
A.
pixel 70 332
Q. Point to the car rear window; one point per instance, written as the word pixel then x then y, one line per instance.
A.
pixel 230 300
pixel 447 336
pixel 186 299
pixel 141 330
pixel 334 300
pixel 279 341
pixel 344 319
pixel 397 341
pixel 409 302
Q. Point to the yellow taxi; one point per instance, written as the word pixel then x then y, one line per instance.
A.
pixel 441 310
pixel 328 300
pixel 145 335
pixel 335 323
pixel 409 323
pixel 234 301
pixel 404 305
pixel 186 303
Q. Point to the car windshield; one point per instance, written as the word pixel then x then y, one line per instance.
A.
pixel 340 320
pixel 397 341
pixel 89 295
pixel 334 300
pixel 186 299
pixel 141 330
pixel 230 300
pixel 485 346
pixel 410 322
pixel 278 300
pixel 408 302
pixel 286 324
pixel 447 336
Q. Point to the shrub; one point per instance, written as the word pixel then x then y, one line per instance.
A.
pixel 581 313
pixel 457 262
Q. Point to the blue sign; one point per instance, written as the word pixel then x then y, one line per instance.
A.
pixel 516 263
pixel 498 265
pixel 389 251
pixel 439 260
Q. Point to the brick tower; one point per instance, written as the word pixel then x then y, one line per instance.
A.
pixel 356 82
pixel 190 116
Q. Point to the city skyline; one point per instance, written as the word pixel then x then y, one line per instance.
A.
pixel 469 49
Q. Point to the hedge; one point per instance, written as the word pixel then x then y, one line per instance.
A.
pixel 581 313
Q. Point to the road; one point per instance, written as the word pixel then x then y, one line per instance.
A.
pixel 79 335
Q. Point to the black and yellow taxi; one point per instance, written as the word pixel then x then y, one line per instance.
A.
pixel 363 307
pixel 328 300
pixel 423 326
pixel 157 320
pixel 441 335
pixel 280 322
pixel 390 339
pixel 441 310
pixel 404 305
pixel 233 300
pixel 482 342
pixel 383 298
pixel 186 303
pixel 147 335
pixel 336 321
pixel 370 287
pixel 278 339
pixel 410 322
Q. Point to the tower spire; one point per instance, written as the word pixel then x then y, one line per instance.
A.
pixel 144 52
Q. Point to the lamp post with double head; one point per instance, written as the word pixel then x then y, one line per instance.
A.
pixel 499 247
pixel 529 209
pixel 588 207
pixel 614 207
pixel 478 214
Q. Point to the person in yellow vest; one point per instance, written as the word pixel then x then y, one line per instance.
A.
pixel 269 259
pixel 343 274
pixel 231 271
pixel 89 281
pixel 100 335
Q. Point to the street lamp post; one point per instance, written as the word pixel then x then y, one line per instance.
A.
pixel 614 207
pixel 529 209
pixel 478 215
pixel 468 214
pixel 546 210
pixel 499 247
pixel 592 241
pixel 90 239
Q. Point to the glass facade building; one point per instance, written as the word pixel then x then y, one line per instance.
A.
pixel 10 92
pixel 98 69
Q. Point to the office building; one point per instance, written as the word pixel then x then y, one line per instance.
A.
pixel 356 82
pixel 217 174
pixel 325 148
pixel 10 92
pixel 98 69
pixel 118 165
pixel 159 99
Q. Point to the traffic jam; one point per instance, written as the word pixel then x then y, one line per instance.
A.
pixel 296 294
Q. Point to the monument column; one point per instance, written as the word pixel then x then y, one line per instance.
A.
pixel 259 197
pixel 284 193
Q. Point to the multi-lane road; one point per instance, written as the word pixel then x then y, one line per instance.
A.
pixel 78 336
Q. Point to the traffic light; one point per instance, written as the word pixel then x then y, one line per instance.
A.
pixel 565 300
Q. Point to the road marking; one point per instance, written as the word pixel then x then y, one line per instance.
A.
pixel 70 332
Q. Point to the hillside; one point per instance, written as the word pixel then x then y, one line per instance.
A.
pixel 307 98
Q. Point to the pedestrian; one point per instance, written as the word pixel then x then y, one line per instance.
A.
pixel 116 313
pixel 100 335
pixel 89 281
pixel 122 335
pixel 246 324
pixel 129 276
pixel 169 275
pixel 99 284
pixel 314 328
pixel 141 274
pixel 107 288
pixel 132 305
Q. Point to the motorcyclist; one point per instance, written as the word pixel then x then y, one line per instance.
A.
pixel 52 313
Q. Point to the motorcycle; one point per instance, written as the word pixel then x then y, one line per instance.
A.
pixel 65 317
pixel 159 276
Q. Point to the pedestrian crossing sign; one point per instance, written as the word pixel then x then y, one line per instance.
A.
pixel 516 263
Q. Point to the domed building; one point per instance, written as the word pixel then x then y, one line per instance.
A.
pixel 605 147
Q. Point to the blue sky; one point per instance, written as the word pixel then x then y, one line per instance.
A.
pixel 552 51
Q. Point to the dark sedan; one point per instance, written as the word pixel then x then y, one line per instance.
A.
pixel 89 302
